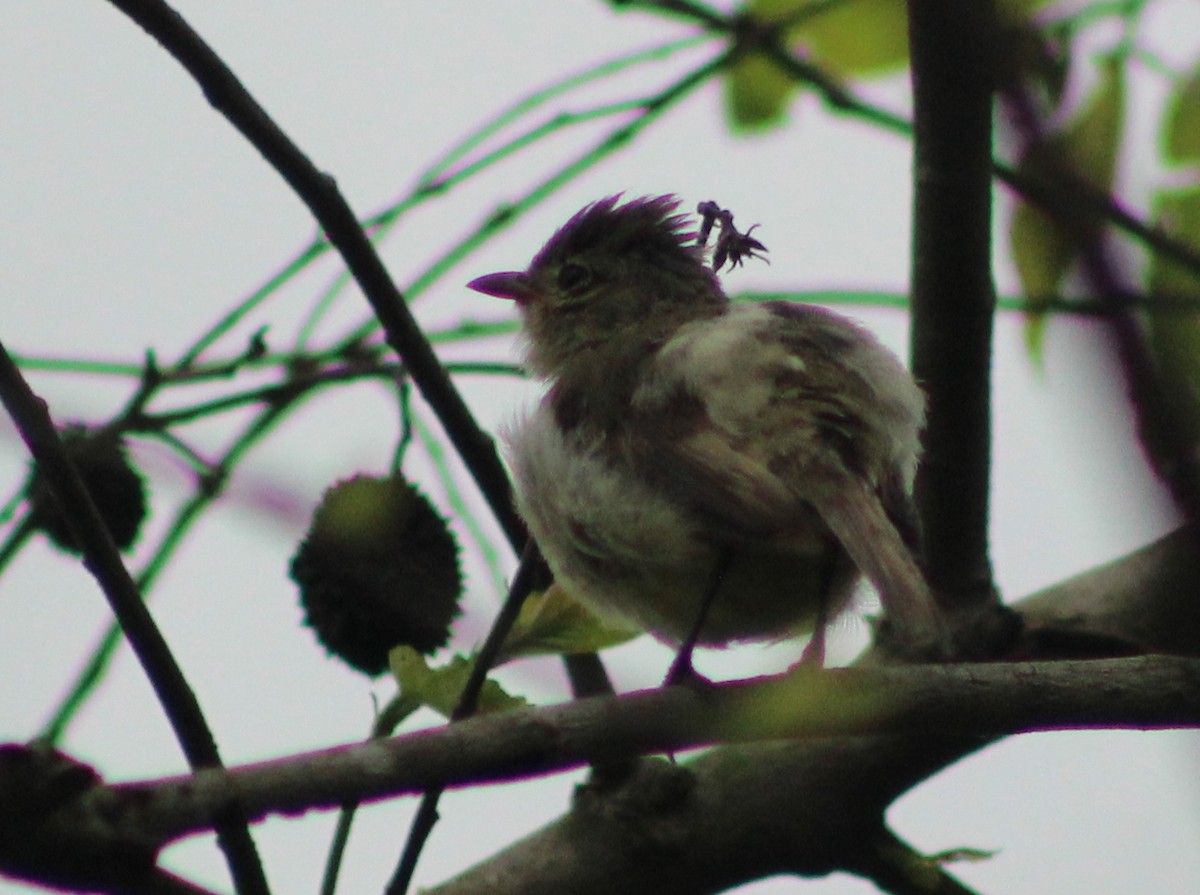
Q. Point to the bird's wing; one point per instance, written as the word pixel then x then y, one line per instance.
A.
pixel 729 486
pixel 740 499
pixel 738 411
pixel 780 427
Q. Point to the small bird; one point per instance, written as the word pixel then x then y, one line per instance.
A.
pixel 707 471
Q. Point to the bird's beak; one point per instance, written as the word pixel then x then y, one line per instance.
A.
pixel 510 284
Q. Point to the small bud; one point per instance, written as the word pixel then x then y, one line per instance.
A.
pixel 115 486
pixel 378 568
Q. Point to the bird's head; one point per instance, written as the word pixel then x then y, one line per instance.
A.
pixel 614 282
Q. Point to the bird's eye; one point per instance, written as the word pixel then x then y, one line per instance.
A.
pixel 573 278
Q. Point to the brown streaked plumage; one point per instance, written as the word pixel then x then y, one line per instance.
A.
pixel 684 437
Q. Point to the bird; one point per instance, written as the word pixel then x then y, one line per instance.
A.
pixel 708 471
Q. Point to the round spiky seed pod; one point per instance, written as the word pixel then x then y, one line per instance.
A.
pixel 114 484
pixel 378 568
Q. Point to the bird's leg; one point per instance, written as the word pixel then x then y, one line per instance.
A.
pixel 682 671
pixel 813 656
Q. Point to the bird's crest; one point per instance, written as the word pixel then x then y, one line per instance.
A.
pixel 646 225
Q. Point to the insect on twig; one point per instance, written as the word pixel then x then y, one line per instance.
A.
pixel 731 245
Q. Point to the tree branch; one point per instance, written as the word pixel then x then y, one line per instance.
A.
pixel 803 793
pixel 320 193
pixel 896 867
pixel 953 298
pixel 858 739
pixel 1143 602
pixel 1164 411
pixel 974 701
pixel 100 556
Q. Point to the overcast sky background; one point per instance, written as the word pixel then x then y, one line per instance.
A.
pixel 132 216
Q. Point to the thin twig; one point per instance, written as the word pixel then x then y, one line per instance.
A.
pixel 688 9
pixel 101 558
pixel 650 109
pixel 1097 202
pixel 320 193
pixel 385 725
pixel 443 175
pixel 209 487
pixel 286 392
pixel 426 816
pixel 899 869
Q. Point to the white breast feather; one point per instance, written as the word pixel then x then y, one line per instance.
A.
pixel 614 515
pixel 725 362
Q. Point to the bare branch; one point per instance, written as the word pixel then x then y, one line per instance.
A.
pixel 101 558
pixel 986 700
pixel 953 299
pixel 747 811
pixel 857 739
pixel 320 193
pixel 828 791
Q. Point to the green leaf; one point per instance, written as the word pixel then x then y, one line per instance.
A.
pixel 1173 333
pixel 439 688
pixel 1178 213
pixel 847 38
pixel 757 93
pixel 772 11
pixel 857 37
pixel 555 623
pixel 1043 253
pixel 1093 139
pixel 1180 136
pixel 1045 247
pixel 850 37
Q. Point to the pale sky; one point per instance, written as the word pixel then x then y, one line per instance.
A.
pixel 132 217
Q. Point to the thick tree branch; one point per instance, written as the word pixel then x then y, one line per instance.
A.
pixel 860 739
pixel 732 816
pixel 749 811
pixel 962 701
pixel 953 298
pixel 1143 602
pixel 802 794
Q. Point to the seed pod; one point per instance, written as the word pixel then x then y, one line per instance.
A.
pixel 110 478
pixel 378 568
